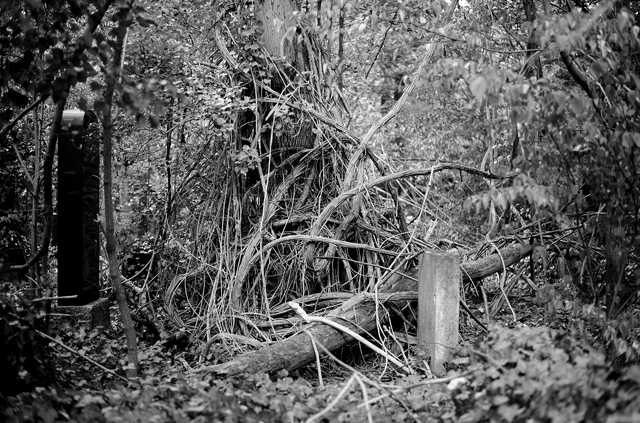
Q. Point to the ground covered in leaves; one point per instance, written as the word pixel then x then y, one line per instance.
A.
pixel 513 374
pixel 169 390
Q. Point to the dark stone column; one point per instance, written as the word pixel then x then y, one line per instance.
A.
pixel 78 185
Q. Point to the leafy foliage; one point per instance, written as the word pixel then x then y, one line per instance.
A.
pixel 24 358
pixel 549 103
pixel 525 374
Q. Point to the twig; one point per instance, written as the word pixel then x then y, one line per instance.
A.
pixel 498 302
pixel 365 379
pixel 333 403
pixel 533 286
pixel 384 38
pixel 337 201
pixel 66 297
pixel 310 238
pixel 486 305
pixel 473 316
pixel 95 363
pixel 365 398
pixel 489 359
pixel 22 114
pixel 315 350
pixel 502 280
pixel 415 385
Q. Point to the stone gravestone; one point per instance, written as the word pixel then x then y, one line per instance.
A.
pixel 439 306
pixel 78 227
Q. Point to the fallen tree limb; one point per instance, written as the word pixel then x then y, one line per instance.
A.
pixel 358 314
pixel 491 264
pixel 296 307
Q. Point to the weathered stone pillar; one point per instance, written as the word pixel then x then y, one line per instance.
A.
pixel 439 306
pixel 78 207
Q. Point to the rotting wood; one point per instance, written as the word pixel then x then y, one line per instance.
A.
pixel 357 314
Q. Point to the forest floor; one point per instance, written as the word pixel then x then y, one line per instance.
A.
pixel 361 387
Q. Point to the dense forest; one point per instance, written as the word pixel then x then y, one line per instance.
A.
pixel 267 175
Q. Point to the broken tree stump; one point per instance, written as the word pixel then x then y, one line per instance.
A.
pixel 357 314
pixel 438 306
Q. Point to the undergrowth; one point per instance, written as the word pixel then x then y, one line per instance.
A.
pixel 517 374
pixel 539 374
pixel 24 357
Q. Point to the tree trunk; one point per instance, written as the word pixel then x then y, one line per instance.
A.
pixel 283 40
pixel 114 272
pixel 532 43
pixel 357 314
pixel 35 201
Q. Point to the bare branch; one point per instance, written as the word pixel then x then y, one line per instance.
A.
pixel 8 126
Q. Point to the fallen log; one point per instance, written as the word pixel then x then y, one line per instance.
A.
pixel 360 314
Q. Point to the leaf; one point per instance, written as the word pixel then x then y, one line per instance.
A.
pixel 96 86
pixel 479 87
pixel 576 105
pixel 597 70
pixel 560 97
pixel 100 107
pixel 47 414
pixel 17 98
pixel 145 23
pixel 509 412
pixel 90 399
pixel 500 400
pixel 501 201
pixel 154 121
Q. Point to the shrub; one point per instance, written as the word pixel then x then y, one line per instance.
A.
pixel 24 356
pixel 538 374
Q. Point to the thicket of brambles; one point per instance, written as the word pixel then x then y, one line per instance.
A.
pixel 238 167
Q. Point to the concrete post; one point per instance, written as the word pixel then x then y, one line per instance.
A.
pixel 438 306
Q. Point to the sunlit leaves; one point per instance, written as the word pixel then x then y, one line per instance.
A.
pixel 478 87
pixel 247 159
pixel 523 188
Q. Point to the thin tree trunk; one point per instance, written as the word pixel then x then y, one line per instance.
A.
pixel 35 201
pixel 114 272
pixel 167 164
pixel 47 170
pixel 532 43
pixel 340 49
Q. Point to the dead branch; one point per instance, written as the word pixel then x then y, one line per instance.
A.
pixel 358 314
